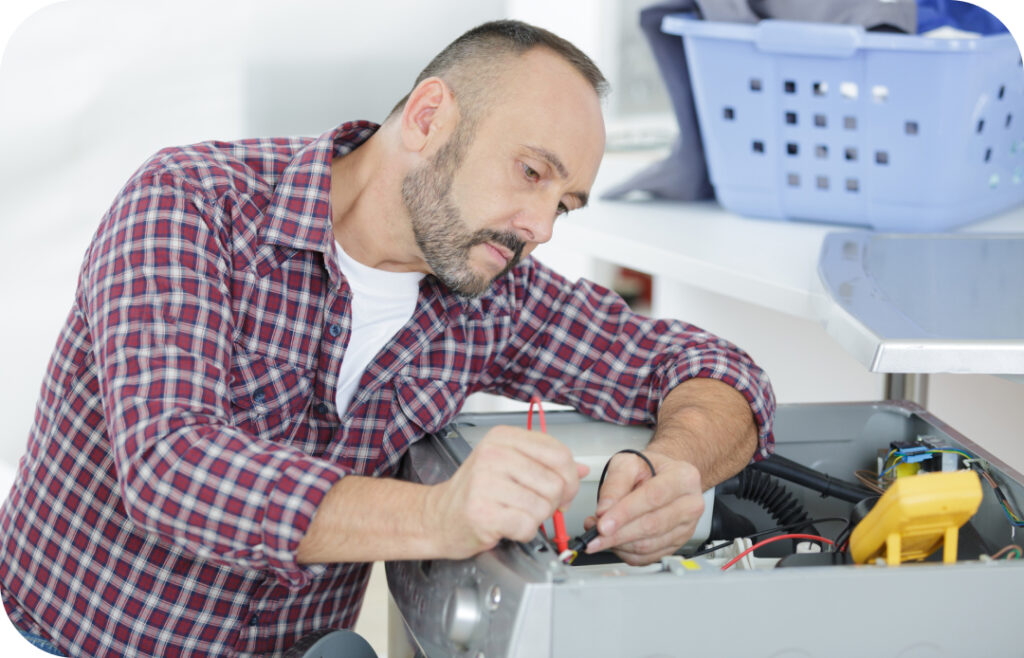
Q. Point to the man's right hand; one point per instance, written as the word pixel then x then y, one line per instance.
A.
pixel 511 483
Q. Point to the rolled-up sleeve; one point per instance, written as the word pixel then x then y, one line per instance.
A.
pixel 579 344
pixel 157 297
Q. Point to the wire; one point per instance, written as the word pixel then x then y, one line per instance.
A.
pixel 1008 549
pixel 1013 517
pixel 770 540
pixel 896 462
pixel 869 479
pixel 561 536
pixel 631 451
pixel 791 526
pixel 579 543
pixel 978 465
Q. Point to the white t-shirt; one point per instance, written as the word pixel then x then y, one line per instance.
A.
pixel 382 302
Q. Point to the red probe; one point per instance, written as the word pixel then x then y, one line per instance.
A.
pixel 561 536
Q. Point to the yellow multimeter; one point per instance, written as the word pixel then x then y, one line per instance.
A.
pixel 917 515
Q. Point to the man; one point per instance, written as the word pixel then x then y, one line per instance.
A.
pixel 262 328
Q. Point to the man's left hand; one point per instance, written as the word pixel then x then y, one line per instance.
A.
pixel 643 518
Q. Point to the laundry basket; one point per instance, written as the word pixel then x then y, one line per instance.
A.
pixel 830 123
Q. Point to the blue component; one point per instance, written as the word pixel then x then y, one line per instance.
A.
pixel 914 455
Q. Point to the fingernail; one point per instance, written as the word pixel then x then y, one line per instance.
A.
pixel 594 546
pixel 606 526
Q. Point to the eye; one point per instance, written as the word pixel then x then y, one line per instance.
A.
pixel 530 172
pixel 562 209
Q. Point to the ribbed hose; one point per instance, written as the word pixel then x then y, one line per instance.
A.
pixel 762 489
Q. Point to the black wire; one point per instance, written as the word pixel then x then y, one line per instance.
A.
pixel 781 528
pixel 580 542
pixel 631 451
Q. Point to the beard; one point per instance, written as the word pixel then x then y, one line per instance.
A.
pixel 441 233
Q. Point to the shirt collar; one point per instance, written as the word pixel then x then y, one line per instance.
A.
pixel 299 214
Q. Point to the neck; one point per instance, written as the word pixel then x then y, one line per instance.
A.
pixel 367 214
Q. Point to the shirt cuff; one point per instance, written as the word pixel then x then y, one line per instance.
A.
pixel 291 506
pixel 748 379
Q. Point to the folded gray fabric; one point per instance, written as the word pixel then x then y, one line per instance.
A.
pixel 683 175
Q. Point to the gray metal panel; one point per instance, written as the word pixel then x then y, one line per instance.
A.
pixel 927 303
pixel 546 609
pixel 920 610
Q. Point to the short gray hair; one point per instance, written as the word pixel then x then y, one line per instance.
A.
pixel 471 64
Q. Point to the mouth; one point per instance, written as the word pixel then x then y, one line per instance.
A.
pixel 499 252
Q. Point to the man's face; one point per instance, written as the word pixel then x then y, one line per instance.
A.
pixel 485 200
pixel 441 233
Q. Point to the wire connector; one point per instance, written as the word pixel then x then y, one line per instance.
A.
pixel 577 545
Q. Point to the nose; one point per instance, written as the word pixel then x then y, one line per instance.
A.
pixel 535 223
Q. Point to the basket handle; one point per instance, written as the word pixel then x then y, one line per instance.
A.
pixel 803 38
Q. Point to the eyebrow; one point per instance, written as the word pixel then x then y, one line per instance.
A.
pixel 556 162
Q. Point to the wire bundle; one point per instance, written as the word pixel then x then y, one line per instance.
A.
pixel 881 481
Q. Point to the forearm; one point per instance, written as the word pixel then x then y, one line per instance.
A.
pixel 510 483
pixel 708 424
pixel 364 519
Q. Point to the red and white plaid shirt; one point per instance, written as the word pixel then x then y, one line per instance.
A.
pixel 186 430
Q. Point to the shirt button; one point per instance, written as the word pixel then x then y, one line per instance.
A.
pixel 322 408
pixel 259 397
pixel 334 330
pixel 254 620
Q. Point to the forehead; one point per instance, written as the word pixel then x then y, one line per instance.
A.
pixel 541 101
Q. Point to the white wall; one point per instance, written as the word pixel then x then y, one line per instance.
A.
pixel 90 88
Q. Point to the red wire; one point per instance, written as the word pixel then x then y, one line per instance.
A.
pixel 561 536
pixel 770 540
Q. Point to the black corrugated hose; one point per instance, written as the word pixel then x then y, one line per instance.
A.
pixel 762 489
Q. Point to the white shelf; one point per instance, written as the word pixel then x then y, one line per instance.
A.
pixel 773 264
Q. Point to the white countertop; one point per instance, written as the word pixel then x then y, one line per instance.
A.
pixel 764 262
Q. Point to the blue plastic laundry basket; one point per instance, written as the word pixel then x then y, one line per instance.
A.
pixel 831 123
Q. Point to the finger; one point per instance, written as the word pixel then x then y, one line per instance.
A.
pixel 624 473
pixel 514 496
pixel 544 449
pixel 505 509
pixel 499 461
pixel 658 532
pixel 650 495
pixel 661 541
pixel 649 549
pixel 680 482
pixel 515 524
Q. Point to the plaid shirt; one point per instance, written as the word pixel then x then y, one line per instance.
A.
pixel 186 430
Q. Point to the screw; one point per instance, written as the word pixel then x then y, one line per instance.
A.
pixel 494 598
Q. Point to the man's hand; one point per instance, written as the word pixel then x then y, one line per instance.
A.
pixel 642 518
pixel 705 434
pixel 511 483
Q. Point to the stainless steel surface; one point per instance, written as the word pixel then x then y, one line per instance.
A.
pixel 459 618
pixel 927 303
pixel 547 609
pixel 910 387
pixel 462 615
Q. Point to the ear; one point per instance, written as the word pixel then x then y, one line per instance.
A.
pixel 429 115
